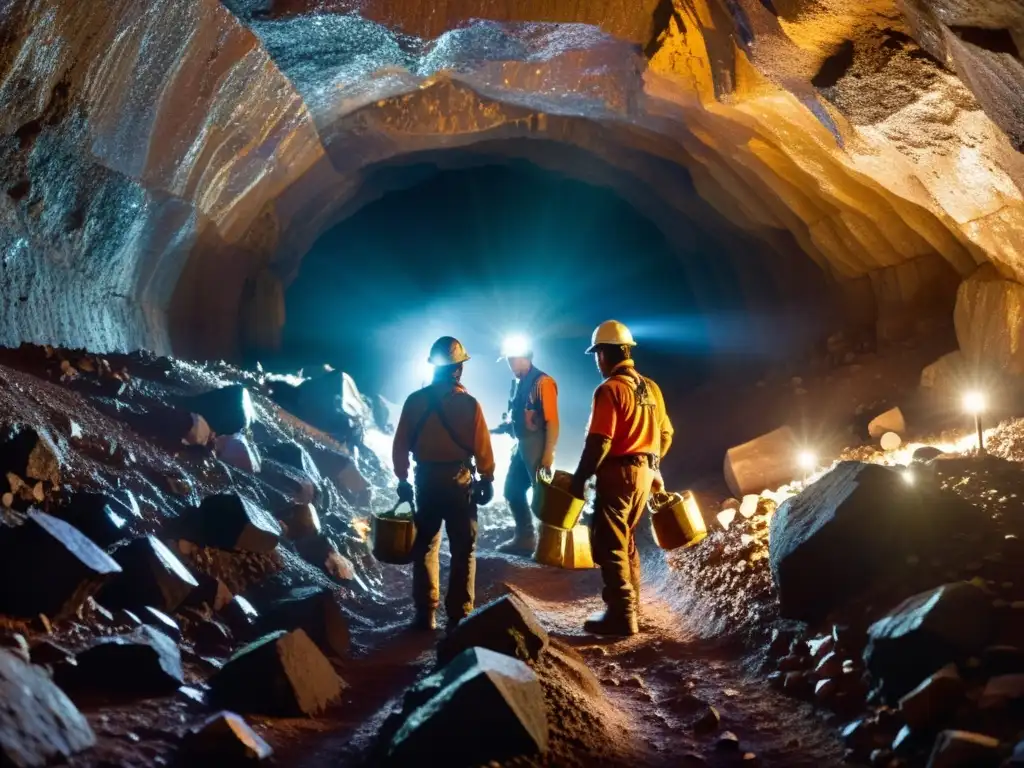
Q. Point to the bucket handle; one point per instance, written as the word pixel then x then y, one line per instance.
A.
pixel 412 508
pixel 544 476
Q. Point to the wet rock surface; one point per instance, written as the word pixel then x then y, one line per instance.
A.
pixel 638 702
pixel 38 723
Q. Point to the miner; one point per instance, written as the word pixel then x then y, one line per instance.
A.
pixel 443 427
pixel 628 435
pixel 533 421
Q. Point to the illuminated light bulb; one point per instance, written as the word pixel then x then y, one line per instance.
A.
pixel 807 460
pixel 515 346
pixel 974 402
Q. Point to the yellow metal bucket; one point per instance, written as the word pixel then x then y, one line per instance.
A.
pixel 550 545
pixel 553 504
pixel 677 520
pixel 560 548
pixel 391 537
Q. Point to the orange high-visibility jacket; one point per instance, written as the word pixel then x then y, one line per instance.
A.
pixel 433 443
pixel 632 426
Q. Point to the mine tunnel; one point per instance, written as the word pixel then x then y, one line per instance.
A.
pixel 281 480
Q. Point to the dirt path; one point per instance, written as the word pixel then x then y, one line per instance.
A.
pixel 658 681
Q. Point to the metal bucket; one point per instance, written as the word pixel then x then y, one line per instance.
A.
pixel 392 536
pixel 561 548
pixel 553 504
pixel 677 520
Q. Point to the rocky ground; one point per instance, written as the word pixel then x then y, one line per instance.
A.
pixel 168 555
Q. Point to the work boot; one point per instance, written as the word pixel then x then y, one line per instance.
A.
pixel 520 544
pixel 618 623
pixel 425 621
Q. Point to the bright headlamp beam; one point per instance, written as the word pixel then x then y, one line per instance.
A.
pixel 515 345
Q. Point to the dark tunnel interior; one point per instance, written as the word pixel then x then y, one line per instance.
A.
pixel 482 252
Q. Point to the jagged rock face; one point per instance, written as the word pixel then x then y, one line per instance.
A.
pixel 164 166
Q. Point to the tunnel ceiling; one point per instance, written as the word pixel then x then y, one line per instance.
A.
pixel 166 164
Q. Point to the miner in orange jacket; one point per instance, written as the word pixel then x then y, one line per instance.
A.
pixel 443 427
pixel 533 421
pixel 628 435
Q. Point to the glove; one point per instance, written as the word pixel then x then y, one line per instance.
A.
pixel 405 492
pixel 658 484
pixel 483 492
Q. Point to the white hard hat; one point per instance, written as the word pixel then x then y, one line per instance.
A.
pixel 611 332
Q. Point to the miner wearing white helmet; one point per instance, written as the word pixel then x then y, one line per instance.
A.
pixel 628 434
pixel 443 427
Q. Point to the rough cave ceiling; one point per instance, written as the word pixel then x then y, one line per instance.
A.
pixel 166 164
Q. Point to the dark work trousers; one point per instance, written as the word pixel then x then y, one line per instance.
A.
pixel 622 493
pixel 518 481
pixel 444 497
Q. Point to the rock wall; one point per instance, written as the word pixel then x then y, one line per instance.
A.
pixel 166 164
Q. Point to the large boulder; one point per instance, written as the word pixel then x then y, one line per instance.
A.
pixel 506 625
pixel 232 522
pixel 487 707
pixel 145 663
pixel 227 410
pixel 332 402
pixel 56 568
pixel 926 632
pixel 152 576
pixel 38 724
pixel 282 674
pixel 765 462
pixel 315 610
pixel 842 532
pixel 946 375
pixel 987 318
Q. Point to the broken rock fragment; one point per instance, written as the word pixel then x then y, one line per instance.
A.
pixel 927 631
pixel 293 455
pixel 1003 691
pixel 38 724
pixel 144 663
pixel 506 625
pixel 302 520
pixel 100 516
pixel 30 454
pixel 963 749
pixel 293 485
pixel 224 739
pixel 232 522
pixel 63 570
pixel 282 674
pixel 240 616
pixel 935 698
pixel 227 410
pixel 765 462
pixel 315 610
pixel 855 523
pixel 489 707
pixel 152 576
pixel 239 452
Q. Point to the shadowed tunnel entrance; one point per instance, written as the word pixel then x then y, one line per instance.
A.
pixel 495 249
